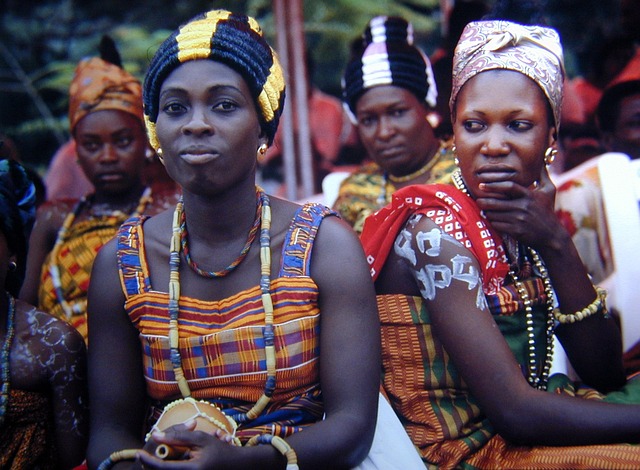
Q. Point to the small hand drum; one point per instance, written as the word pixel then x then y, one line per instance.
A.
pixel 208 417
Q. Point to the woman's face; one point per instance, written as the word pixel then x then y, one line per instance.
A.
pixel 501 129
pixel 208 127
pixel 111 146
pixel 393 127
pixel 626 136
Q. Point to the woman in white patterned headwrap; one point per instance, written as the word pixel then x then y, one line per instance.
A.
pixel 475 278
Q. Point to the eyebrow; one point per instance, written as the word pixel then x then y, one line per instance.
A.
pixel 213 88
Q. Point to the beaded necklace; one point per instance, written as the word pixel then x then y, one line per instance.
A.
pixel 54 270
pixel 265 284
pixel 535 379
pixel 184 241
pixel 387 177
pixel 6 350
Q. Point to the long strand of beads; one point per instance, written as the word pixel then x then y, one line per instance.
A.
pixel 174 297
pixel 535 380
pixel 267 303
pixel 6 351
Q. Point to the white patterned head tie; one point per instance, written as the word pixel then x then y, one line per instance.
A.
pixel 534 51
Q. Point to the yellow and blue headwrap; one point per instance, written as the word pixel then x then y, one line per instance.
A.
pixel 235 40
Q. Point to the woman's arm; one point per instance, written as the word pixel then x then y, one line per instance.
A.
pixel 593 345
pixel 116 383
pixel 67 366
pixel 350 363
pixel 462 322
pixel 49 219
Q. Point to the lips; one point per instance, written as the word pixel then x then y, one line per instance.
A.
pixel 198 155
pixel 109 177
pixel 390 152
pixel 488 174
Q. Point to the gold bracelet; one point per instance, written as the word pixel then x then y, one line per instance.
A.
pixel 599 304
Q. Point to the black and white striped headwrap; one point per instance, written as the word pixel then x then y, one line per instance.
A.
pixel 388 57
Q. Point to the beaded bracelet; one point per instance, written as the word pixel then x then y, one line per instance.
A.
pixel 281 446
pixel 599 304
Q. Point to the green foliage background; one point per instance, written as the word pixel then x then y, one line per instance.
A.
pixel 41 42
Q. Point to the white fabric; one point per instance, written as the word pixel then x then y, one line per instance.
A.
pixel 391 449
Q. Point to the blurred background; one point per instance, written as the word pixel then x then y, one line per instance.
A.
pixel 42 41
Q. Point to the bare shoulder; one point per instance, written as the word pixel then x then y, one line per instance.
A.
pixel 42 330
pixel 50 215
pixel 46 350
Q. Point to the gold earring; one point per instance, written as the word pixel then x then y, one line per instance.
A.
pixel 262 150
pixel 159 154
pixel 12 266
pixel 455 157
pixel 550 155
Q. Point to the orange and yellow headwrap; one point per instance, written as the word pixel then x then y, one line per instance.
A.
pixel 233 39
pixel 99 85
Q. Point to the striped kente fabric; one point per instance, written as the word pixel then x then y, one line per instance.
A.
pixel 75 260
pixel 222 343
pixel 443 419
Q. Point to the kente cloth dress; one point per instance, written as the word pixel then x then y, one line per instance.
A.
pixel 440 415
pixel 367 190
pixel 221 342
pixel 74 259
pixel 27 438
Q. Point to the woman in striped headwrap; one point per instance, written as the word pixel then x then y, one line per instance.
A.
pixel 255 304
pixel 390 95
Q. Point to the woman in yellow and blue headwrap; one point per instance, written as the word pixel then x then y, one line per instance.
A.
pixel 43 396
pixel 255 304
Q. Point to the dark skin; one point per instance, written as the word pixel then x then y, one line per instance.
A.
pixel 111 147
pixel 499 133
pixel 48 356
pixel 209 131
pixel 393 128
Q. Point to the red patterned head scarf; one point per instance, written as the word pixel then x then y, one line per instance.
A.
pixel 99 85
pixel 534 51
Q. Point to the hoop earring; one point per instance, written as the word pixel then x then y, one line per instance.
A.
pixel 159 154
pixel 550 155
pixel 13 266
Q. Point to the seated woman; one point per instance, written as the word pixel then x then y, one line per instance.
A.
pixel 475 278
pixel 390 93
pixel 256 304
pixel 44 419
pixel 106 119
